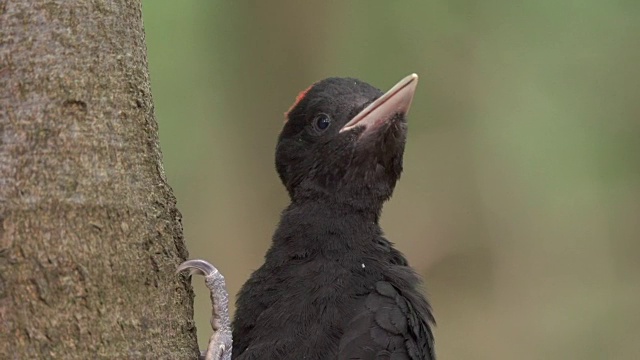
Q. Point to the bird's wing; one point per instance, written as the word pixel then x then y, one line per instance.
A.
pixel 389 325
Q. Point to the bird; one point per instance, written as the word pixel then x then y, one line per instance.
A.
pixel 332 286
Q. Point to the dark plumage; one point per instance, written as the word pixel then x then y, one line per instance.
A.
pixel 332 287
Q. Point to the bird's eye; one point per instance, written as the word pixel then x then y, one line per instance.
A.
pixel 321 122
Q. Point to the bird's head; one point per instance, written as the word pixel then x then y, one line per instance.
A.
pixel 344 139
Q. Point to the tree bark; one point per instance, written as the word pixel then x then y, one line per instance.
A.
pixel 90 236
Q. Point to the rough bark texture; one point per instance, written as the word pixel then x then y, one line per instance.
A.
pixel 90 236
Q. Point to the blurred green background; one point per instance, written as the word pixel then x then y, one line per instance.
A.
pixel 520 202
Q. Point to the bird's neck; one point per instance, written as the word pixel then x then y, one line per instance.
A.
pixel 325 226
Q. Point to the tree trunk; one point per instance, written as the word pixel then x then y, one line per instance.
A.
pixel 90 236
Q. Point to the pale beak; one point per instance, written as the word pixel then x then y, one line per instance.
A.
pixel 395 101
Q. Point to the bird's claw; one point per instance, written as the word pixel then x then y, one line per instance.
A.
pixel 197 266
pixel 220 344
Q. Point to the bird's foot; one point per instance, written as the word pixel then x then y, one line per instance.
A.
pixel 220 344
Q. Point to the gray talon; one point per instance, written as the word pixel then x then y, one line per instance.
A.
pixel 197 266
